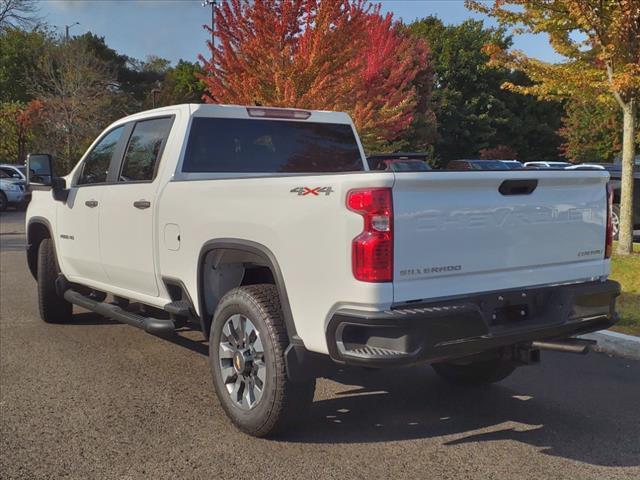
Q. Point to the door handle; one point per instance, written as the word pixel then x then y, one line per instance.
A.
pixel 91 203
pixel 142 204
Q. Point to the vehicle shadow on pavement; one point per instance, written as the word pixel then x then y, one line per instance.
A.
pixel 187 337
pixel 545 406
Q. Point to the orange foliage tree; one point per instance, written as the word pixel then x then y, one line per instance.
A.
pixel 329 55
pixel 17 123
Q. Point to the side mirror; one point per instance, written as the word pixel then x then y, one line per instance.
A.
pixel 39 170
pixel 40 176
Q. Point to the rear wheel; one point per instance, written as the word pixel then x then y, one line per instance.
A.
pixel 246 353
pixel 53 308
pixel 475 373
pixel 3 202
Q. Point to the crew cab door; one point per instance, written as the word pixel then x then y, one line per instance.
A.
pixel 77 220
pixel 127 233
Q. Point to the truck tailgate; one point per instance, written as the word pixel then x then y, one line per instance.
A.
pixel 462 232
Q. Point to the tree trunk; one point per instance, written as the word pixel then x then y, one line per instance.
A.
pixel 625 243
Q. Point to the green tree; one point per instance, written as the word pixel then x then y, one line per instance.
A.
pixel 472 111
pixel 591 131
pixel 182 84
pixel 74 87
pixel 134 79
pixel 19 54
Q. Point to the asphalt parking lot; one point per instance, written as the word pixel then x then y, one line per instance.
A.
pixel 96 399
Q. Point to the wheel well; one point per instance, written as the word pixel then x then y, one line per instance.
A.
pixel 225 269
pixel 35 234
pixel 228 264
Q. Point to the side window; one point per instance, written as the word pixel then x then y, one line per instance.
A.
pixel 143 150
pixel 96 165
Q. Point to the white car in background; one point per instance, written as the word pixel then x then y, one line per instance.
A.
pixel 586 166
pixel 560 165
pixel 12 191
pixel 17 172
pixel 564 165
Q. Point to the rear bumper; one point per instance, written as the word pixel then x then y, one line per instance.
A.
pixel 437 331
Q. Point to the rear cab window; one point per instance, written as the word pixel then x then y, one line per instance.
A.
pixel 233 145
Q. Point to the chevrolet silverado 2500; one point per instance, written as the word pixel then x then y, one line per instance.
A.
pixel 266 228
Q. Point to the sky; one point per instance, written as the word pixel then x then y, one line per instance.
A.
pixel 172 29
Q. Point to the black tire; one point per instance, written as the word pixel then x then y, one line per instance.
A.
pixel 53 309
pixel 476 373
pixel 282 400
pixel 615 220
pixel 3 202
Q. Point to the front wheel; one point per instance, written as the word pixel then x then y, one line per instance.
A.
pixel 53 308
pixel 475 373
pixel 246 354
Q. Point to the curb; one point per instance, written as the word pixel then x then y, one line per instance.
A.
pixel 614 343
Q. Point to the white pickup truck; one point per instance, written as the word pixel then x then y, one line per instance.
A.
pixel 265 228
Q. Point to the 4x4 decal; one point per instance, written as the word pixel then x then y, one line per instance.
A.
pixel 313 191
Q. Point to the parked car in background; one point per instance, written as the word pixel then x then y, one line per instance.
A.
pixel 477 165
pixel 17 172
pixel 513 164
pixel 617 168
pixel 556 165
pixel 585 166
pixel 399 162
pixel 12 191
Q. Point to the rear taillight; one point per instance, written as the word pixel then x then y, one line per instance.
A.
pixel 608 245
pixel 372 250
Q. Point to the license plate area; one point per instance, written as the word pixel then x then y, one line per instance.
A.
pixel 515 307
pixel 510 314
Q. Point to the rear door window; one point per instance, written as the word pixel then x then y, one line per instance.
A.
pixel 144 150
pixel 246 146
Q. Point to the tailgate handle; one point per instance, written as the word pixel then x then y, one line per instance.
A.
pixel 518 187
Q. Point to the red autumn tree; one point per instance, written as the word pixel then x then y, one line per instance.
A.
pixel 329 55
pixel 17 123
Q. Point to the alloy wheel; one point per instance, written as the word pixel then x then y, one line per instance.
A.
pixel 241 358
pixel 615 224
